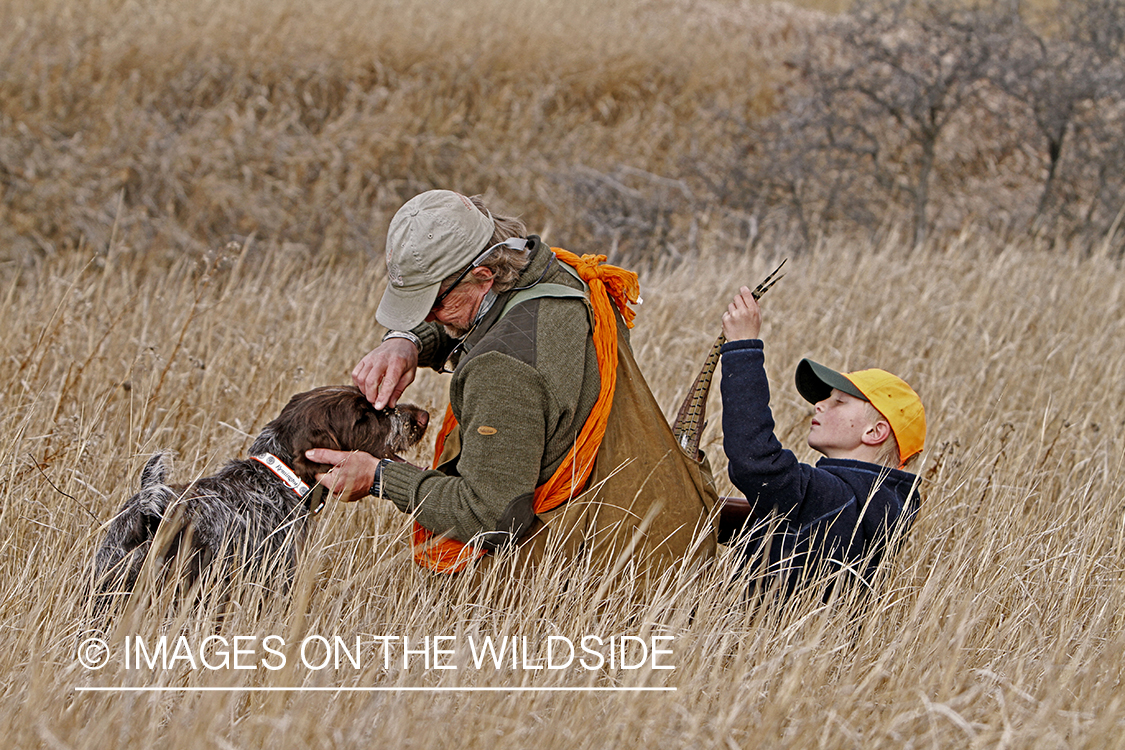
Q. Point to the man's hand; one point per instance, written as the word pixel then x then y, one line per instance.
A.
pixel 386 371
pixel 743 318
pixel 352 471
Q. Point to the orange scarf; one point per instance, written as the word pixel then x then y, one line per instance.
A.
pixel 445 555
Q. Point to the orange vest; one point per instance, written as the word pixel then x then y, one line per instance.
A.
pixel 445 555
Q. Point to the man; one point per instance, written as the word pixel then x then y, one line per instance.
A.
pixel 534 396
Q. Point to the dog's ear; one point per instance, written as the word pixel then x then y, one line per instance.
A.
pixel 301 425
pixel 365 428
pixel 155 471
pixel 305 439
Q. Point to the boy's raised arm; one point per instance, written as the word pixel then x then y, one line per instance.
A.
pixel 759 467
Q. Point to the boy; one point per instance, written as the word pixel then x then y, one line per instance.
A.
pixel 842 511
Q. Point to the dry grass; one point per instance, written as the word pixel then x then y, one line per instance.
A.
pixel 313 124
pixel 999 623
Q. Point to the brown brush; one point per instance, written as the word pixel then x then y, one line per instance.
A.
pixel 689 424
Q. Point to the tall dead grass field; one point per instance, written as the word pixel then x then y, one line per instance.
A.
pixel 311 124
pixel 139 137
pixel 998 623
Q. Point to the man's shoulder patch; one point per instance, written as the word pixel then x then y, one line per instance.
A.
pixel 513 335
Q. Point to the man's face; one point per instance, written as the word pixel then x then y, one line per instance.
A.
pixel 458 309
pixel 839 424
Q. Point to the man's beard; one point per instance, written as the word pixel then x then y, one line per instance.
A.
pixel 458 332
pixel 455 331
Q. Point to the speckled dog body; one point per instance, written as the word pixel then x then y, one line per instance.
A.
pixel 245 513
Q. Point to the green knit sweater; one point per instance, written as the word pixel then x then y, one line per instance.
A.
pixel 523 386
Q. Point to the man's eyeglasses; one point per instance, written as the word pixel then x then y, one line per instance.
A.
pixel 514 243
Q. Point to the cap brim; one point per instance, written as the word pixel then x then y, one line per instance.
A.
pixel 815 382
pixel 401 310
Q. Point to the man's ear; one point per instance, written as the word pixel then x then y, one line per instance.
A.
pixel 482 278
pixel 877 433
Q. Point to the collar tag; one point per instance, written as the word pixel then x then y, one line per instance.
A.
pixel 316 498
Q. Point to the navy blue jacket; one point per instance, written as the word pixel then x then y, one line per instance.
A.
pixel 828 513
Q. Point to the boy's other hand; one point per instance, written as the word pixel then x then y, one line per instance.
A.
pixel 743 318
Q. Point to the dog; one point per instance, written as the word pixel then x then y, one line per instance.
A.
pixel 254 512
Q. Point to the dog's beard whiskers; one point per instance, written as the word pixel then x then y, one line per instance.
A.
pixel 405 431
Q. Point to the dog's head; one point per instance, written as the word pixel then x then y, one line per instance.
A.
pixel 341 418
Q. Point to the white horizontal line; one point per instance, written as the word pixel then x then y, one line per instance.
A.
pixel 125 689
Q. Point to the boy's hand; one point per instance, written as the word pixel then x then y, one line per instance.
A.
pixel 743 318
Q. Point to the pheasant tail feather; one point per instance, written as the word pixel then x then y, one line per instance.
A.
pixel 689 424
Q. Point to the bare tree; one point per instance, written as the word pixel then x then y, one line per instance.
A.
pixel 798 172
pixel 1098 26
pixel 636 215
pixel 906 110
pixel 1056 78
pixel 904 70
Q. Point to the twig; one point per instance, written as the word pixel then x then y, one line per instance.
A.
pixel 56 489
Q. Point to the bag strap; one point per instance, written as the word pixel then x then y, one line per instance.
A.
pixel 560 291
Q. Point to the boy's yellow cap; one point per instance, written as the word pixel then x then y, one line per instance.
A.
pixel 889 394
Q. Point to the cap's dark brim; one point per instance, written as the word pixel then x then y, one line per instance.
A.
pixel 815 382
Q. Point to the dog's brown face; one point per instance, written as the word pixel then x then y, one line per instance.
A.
pixel 341 418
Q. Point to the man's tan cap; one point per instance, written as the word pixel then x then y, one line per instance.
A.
pixel 434 235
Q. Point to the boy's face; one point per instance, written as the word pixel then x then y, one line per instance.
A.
pixel 839 424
